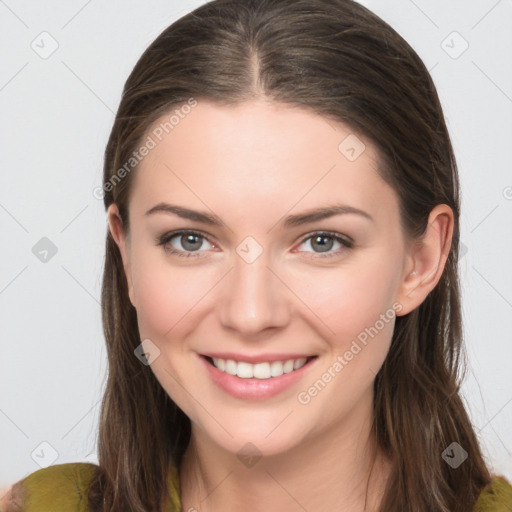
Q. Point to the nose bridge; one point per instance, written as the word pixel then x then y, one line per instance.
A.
pixel 254 299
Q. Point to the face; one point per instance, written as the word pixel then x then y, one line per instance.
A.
pixel 257 277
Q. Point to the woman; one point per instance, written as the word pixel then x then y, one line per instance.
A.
pixel 280 298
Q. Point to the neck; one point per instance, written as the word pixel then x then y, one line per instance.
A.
pixel 340 466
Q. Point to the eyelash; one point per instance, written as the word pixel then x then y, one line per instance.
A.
pixel 167 237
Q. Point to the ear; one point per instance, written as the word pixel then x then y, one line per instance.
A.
pixel 426 259
pixel 120 237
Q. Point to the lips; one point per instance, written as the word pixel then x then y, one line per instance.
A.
pixel 258 388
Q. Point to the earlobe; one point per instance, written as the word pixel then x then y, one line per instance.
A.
pixel 119 235
pixel 427 259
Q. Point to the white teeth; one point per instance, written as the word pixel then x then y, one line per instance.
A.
pixel 276 369
pixel 298 363
pixel 245 370
pixel 260 370
pixel 288 366
pixel 219 363
pixel 230 367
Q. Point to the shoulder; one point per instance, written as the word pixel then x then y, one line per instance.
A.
pixel 496 496
pixel 59 488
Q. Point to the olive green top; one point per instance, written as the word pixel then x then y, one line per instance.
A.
pixel 63 488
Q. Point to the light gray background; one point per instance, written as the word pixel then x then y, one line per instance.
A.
pixel 56 115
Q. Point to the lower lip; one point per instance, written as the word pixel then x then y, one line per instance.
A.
pixel 254 389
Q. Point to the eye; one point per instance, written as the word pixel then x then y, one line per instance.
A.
pixel 183 243
pixel 323 242
pixel 188 243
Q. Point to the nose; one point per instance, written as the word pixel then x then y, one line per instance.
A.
pixel 254 299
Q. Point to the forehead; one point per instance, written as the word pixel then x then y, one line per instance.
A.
pixel 258 156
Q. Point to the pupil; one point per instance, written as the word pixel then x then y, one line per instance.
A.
pixel 190 239
pixel 321 239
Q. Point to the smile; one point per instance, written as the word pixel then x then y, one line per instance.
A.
pixel 256 381
pixel 264 370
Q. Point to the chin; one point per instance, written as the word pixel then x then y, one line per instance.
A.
pixel 258 440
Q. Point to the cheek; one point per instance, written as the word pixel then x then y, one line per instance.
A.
pixel 164 294
pixel 355 304
pixel 357 308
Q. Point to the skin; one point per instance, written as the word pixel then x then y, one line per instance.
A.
pixel 252 165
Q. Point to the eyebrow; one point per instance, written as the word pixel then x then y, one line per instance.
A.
pixel 290 221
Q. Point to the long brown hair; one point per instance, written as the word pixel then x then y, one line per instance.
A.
pixel 339 60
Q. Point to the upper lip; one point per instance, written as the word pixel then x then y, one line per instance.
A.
pixel 254 359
